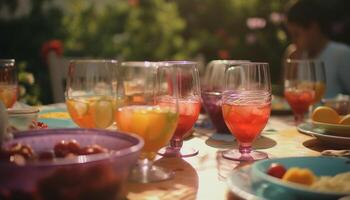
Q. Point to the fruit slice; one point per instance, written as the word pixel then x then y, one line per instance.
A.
pixel 326 115
pixel 299 175
pixel 80 107
pixel 104 114
pixel 345 120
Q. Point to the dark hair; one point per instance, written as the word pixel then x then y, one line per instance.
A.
pixel 305 12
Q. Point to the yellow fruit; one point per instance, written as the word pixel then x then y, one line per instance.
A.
pixel 299 175
pixel 345 120
pixel 104 114
pixel 326 115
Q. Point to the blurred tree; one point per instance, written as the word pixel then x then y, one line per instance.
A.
pixel 133 30
pixel 237 29
pixel 21 38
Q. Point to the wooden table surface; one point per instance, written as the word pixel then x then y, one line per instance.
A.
pixel 203 176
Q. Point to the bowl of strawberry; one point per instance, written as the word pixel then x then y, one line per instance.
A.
pixel 67 164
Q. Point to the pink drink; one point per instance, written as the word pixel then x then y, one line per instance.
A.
pixel 189 111
pixel 212 104
pixel 299 100
pixel 246 120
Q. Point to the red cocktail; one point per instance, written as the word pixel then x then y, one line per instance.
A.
pixel 299 101
pixel 189 102
pixel 246 107
pixel 188 115
pixel 246 121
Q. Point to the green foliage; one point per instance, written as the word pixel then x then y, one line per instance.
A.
pixel 221 26
pixel 143 30
pixel 150 30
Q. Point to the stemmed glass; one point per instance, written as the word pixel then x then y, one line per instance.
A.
pixel 213 85
pixel 300 87
pixel 246 107
pixel 149 108
pixel 187 77
pixel 8 82
pixel 90 95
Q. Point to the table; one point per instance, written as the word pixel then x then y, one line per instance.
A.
pixel 203 176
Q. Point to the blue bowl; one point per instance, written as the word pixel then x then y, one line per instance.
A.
pixel 273 188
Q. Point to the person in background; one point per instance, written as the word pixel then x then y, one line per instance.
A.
pixel 308 27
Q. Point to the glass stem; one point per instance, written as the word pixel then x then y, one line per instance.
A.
pixel 298 118
pixel 145 166
pixel 245 148
pixel 176 142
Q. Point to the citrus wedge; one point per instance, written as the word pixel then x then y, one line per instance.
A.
pixel 345 120
pixel 326 115
pixel 104 113
pixel 80 107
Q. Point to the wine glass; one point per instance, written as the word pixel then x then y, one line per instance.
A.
pixel 246 107
pixel 187 77
pixel 300 87
pixel 90 95
pixel 212 87
pixel 8 82
pixel 149 108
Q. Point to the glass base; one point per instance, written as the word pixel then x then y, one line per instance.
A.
pixel 236 155
pixel 180 153
pixel 143 174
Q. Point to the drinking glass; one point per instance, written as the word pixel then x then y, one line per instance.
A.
pixel 187 77
pixel 90 95
pixel 212 87
pixel 300 87
pixel 149 108
pixel 246 107
pixel 8 82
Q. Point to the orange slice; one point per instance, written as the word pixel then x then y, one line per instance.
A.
pixel 299 175
pixel 326 115
pixel 345 120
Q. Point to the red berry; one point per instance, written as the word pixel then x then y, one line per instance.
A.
pixel 73 146
pixel 276 170
pixel 61 149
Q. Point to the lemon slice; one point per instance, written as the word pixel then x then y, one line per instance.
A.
pixel 81 108
pixel 345 120
pixel 326 115
pixel 104 113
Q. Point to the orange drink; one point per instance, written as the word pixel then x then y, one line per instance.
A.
pixel 320 89
pixel 92 112
pixel 8 94
pixel 155 124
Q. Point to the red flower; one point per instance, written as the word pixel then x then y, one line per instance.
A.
pixel 51 45
pixel 133 3
pixel 223 54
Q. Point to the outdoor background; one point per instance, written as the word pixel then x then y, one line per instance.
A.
pixel 200 30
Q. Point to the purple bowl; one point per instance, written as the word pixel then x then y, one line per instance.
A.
pixel 97 176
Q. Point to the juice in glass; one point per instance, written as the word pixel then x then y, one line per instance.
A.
pixel 8 94
pixel 212 104
pixel 92 112
pixel 320 89
pixel 155 124
pixel 246 120
pixel 188 115
pixel 299 100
